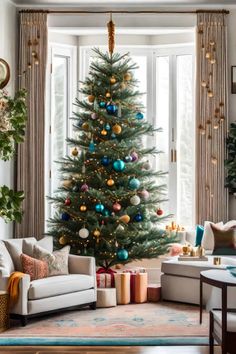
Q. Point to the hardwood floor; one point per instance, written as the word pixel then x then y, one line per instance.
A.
pixel 106 350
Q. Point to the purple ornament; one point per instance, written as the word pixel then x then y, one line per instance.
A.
pixel 144 194
pixel 84 188
pixel 94 115
pixel 134 156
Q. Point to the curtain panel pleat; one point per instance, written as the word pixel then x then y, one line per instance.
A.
pixel 30 157
pixel 211 117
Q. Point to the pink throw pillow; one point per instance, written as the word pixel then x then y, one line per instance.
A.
pixel 175 249
pixel 36 268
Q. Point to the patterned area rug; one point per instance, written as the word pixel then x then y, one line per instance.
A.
pixel 149 320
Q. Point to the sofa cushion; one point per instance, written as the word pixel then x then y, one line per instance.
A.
pixel 28 245
pixel 208 237
pixel 199 235
pixel 6 260
pixel 59 285
pixel 224 241
pixel 57 261
pixel 14 247
pixel 34 267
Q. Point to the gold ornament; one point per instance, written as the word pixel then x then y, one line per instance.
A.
pixel 108 95
pixel 113 80
pixel 75 152
pixel 125 218
pixel 123 85
pixel 116 129
pixel 110 182
pixel 63 240
pixel 66 183
pixel 111 36
pixel 91 98
pixel 104 132
pixel 127 77
pixel 97 233
pixel 83 208
pixel 85 126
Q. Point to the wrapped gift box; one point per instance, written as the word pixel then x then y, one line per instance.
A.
pixel 138 285
pixel 104 280
pixel 122 282
pixel 154 292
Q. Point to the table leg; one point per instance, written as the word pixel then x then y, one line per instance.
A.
pixel 200 302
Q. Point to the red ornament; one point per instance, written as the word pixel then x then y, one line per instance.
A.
pixel 67 201
pixel 159 212
pixel 116 206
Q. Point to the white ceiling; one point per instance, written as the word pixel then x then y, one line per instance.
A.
pixel 119 3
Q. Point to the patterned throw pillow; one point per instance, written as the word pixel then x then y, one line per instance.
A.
pixel 43 254
pixel 225 241
pixel 35 268
pixel 58 264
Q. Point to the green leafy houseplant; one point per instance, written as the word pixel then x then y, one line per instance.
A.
pixel 230 163
pixel 13 115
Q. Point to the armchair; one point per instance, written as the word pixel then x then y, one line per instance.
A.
pixel 47 295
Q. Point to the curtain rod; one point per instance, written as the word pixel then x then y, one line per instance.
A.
pixel 122 12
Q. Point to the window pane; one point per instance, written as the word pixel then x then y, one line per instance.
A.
pixel 185 141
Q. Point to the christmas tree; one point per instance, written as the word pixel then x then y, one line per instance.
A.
pixel 230 163
pixel 109 204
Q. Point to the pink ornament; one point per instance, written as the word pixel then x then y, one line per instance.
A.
pixel 144 194
pixel 84 187
pixel 134 156
pixel 94 115
pixel 116 206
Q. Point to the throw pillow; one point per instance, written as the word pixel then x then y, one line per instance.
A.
pixel 225 241
pixel 58 264
pixel 199 235
pixel 175 249
pixel 14 247
pixel 35 268
pixel 208 237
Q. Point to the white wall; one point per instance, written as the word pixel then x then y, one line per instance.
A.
pixel 7 52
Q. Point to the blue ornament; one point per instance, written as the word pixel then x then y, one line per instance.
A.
pixel 99 208
pixel 102 104
pixel 108 127
pixel 139 116
pixel 65 216
pixel 113 135
pixel 105 161
pixel 118 165
pixel 122 254
pixel 134 183
pixel 106 212
pixel 111 108
pixel 138 217
pixel 79 123
pixel 128 158
pixel 91 146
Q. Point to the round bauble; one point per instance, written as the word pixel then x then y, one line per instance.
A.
pixel 99 208
pixel 75 152
pixel 63 240
pixel 134 156
pixel 79 123
pixel 125 218
pixel 113 135
pixel 66 183
pixel 83 208
pixel 83 233
pixel 96 233
pixel 91 98
pixel 108 95
pixel 127 77
pixel 135 200
pixel 84 188
pixel 116 129
pixel 67 201
pixel 85 126
pixel 128 158
pixel 144 194
pixel 138 217
pixel 113 80
pixel 139 115
pixel 65 216
pixel 91 147
pixel 116 207
pixel 147 166
pixel 105 161
pixel 102 104
pixel 110 182
pixel 106 212
pixel 122 255
pixel 108 127
pixel 118 165
pixel 94 115
pixel 111 108
pixel 103 132
pixel 159 211
pixel 134 183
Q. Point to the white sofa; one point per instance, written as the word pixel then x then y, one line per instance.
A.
pixel 51 294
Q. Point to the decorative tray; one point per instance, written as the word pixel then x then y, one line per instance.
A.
pixel 192 258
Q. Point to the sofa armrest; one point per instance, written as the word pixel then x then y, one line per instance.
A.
pixel 81 265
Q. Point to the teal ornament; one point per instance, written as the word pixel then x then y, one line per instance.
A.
pixel 91 146
pixel 111 108
pixel 118 165
pixel 102 104
pixel 139 116
pixel 128 158
pixel 122 254
pixel 105 212
pixel 138 217
pixel 99 208
pixel 113 135
pixel 108 127
pixel 79 123
pixel 65 216
pixel 105 161
pixel 134 183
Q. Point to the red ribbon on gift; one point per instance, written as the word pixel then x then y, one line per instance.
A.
pixel 110 271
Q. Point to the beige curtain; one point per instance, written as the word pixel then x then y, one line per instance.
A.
pixel 211 117
pixel 30 157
